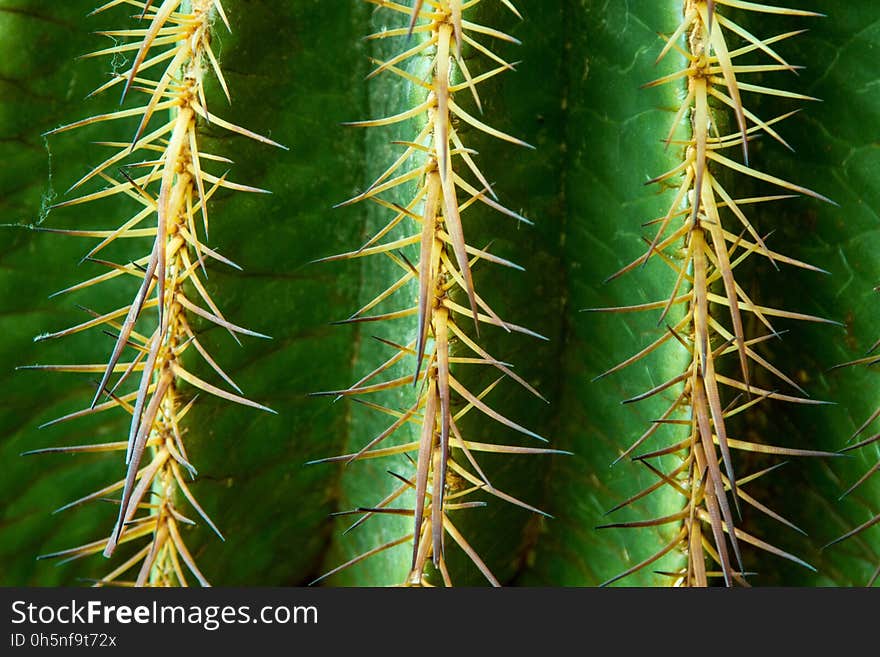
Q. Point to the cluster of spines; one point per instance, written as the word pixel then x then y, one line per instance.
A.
pixel 173 192
pixel 436 161
pixel 718 237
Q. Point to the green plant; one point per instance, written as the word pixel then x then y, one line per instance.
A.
pixel 598 137
pixel 174 191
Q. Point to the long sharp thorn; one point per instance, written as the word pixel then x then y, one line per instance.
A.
pixel 424 461
pixel 417 7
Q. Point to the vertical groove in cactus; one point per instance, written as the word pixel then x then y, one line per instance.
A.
pixel 596 130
